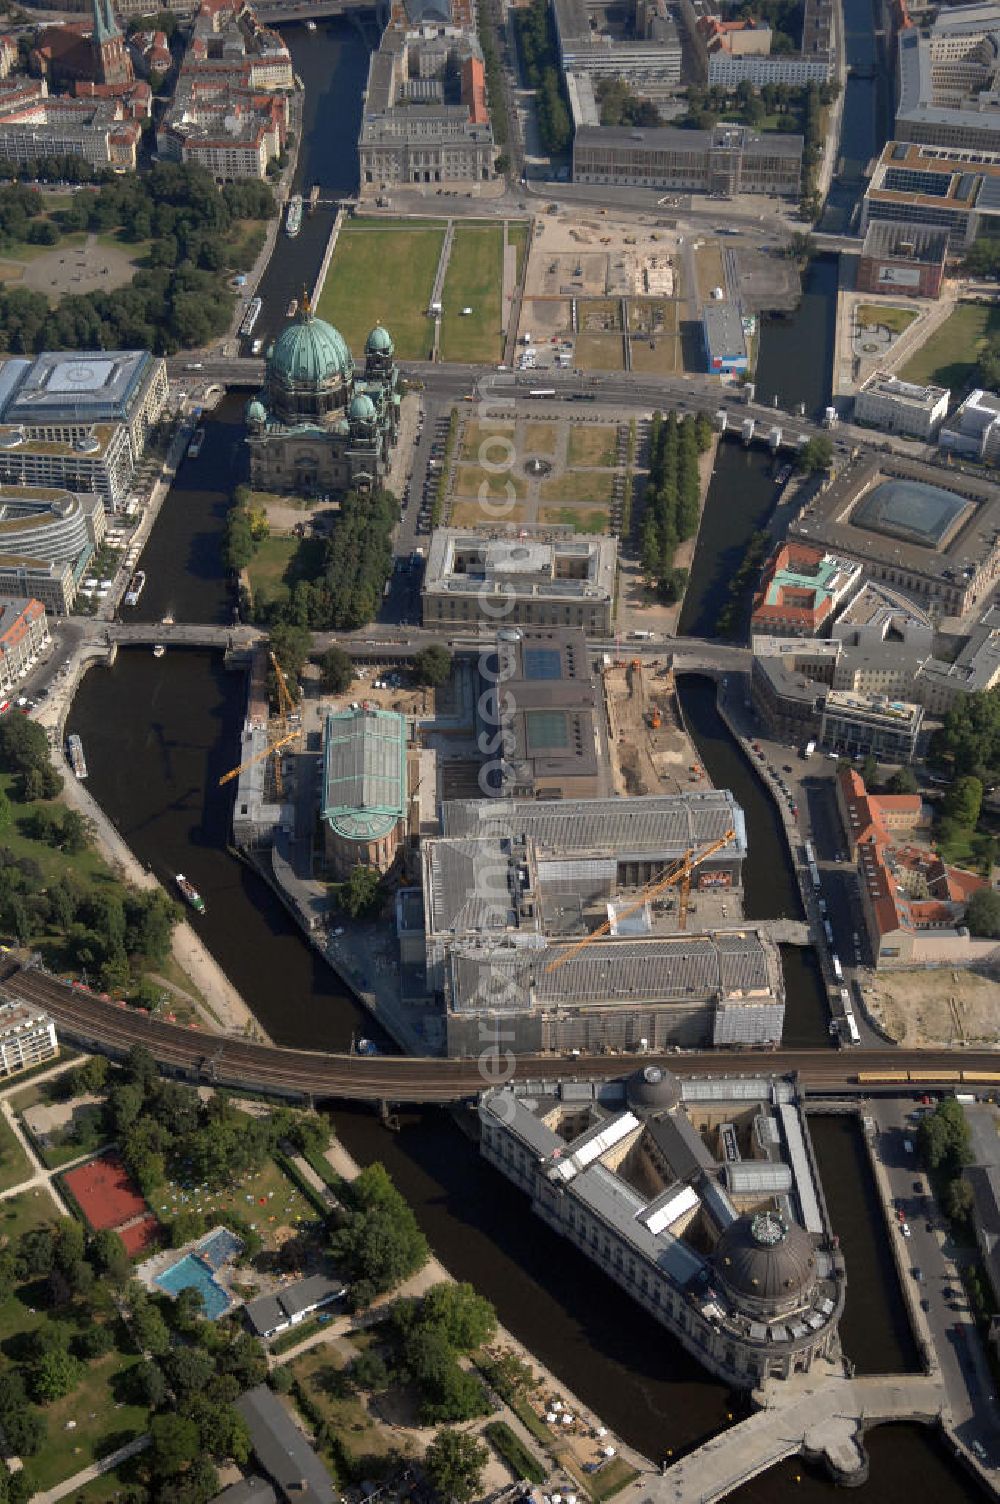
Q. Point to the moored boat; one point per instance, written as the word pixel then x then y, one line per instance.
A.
pixel 137 585
pixel 293 222
pixel 77 761
pixel 190 893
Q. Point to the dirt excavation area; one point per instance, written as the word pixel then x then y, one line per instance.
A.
pixel 944 1007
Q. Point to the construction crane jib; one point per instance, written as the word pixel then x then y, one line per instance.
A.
pixel 679 873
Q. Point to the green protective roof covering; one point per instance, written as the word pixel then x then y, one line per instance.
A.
pixel 362 408
pixel 310 351
pixel 817 581
pixel 379 342
pixel 364 773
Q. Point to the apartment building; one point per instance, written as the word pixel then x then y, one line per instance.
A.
pixel 27 1038
pixel 24 638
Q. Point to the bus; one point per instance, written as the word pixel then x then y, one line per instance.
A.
pixel 838 970
pixel 543 391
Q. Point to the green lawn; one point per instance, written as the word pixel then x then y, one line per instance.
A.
pixel 100 1426
pixel 384 269
pixel 14 1163
pixel 874 316
pixel 579 485
pixel 948 358
pixel 592 446
pixel 20 1214
pixel 268 567
pixel 24 250
pixel 469 479
pixel 581 519
pixel 86 865
pixel 267 1200
pixel 474 280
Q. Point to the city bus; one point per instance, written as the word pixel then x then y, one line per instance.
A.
pixel 543 391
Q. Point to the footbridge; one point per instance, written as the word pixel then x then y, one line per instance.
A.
pixel 819 1417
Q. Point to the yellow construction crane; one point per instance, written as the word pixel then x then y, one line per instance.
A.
pixel 278 733
pixel 680 873
pixel 258 757
pixel 286 710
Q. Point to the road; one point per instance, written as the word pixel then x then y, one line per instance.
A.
pixel 929 1249
pixel 99 1024
pixel 621 391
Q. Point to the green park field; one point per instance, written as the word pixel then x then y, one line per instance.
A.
pixel 383 270
pixel 474 280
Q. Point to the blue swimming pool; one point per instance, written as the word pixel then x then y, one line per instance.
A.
pixel 219 1247
pixel 190 1272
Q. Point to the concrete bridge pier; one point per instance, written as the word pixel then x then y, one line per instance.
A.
pixel 837 1443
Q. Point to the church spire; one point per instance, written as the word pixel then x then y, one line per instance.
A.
pixel 113 29
pixel 101 32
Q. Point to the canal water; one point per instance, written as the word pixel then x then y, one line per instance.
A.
pixel 741 497
pixel 159 734
pixel 795 362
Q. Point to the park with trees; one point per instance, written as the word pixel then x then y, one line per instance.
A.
pixel 671 502
pixel 194 236
pixel 56 894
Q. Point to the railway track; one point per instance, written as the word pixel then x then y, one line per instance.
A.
pixel 101 1025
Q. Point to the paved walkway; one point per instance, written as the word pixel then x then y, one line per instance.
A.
pixel 819 1416
pixel 41 1176
pixel 88 1474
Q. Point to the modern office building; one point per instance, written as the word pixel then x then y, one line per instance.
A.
pixel 55 585
pixel 902 260
pixel 24 638
pixel 700 1199
pixel 726 160
pixel 901 407
pixel 935 188
pixel 802 589
pixel 79 420
pixel 948 79
pixel 857 724
pixel 648 59
pixel 53 527
pixel 973 430
pixel 27 1038
pixel 725 340
pixel 930 533
pixel 318 425
pixel 548 579
pixel 792 692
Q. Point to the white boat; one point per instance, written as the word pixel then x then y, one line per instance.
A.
pixel 310 26
pixel 137 585
pixel 293 222
pixel 159 650
pixel 197 440
pixel 251 316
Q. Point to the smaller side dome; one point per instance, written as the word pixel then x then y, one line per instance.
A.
pixel 379 341
pixel 256 412
pixel 653 1088
pixel 362 409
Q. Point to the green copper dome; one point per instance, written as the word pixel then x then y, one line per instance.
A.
pixel 310 352
pixel 256 412
pixel 379 342
pixel 363 409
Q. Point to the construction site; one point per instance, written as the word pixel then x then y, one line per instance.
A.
pixel 585 919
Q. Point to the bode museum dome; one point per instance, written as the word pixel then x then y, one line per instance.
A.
pixel 319 424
